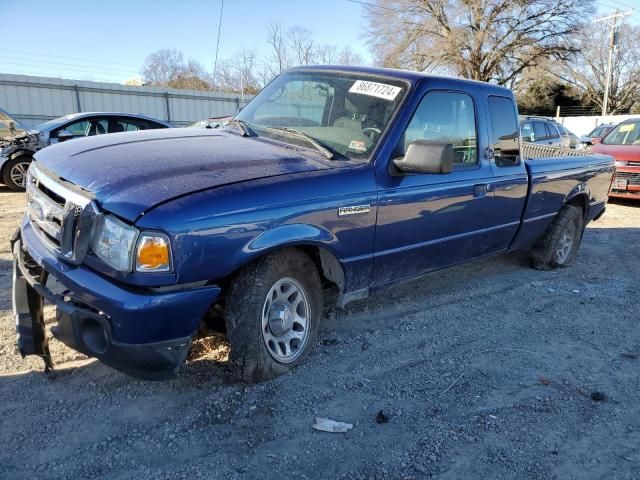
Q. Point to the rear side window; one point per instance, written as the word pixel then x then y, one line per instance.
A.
pixel 553 132
pixel 446 117
pixel 505 138
pixel 539 131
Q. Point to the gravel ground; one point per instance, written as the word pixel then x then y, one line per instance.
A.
pixel 487 370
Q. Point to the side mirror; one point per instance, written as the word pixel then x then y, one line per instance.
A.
pixel 532 137
pixel 64 135
pixel 423 156
pixel 595 140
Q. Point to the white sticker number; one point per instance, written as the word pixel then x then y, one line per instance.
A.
pixel 374 89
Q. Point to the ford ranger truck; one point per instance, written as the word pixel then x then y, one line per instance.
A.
pixel 356 178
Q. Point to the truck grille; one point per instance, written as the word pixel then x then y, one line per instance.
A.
pixel 61 216
pixel 633 178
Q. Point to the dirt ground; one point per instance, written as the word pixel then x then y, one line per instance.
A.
pixel 488 370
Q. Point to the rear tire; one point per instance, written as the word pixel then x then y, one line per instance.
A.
pixel 14 173
pixel 273 313
pixel 558 247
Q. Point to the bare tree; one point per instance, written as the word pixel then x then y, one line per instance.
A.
pixel 349 57
pixel 162 66
pixel 326 54
pixel 167 68
pixel 239 73
pixel 589 69
pixel 279 56
pixel 302 45
pixel 489 40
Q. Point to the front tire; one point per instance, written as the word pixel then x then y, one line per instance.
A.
pixel 14 173
pixel 558 247
pixel 273 313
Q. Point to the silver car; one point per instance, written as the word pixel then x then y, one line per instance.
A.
pixel 16 151
pixel 544 132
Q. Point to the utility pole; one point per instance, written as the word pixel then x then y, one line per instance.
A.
pixel 612 21
pixel 215 62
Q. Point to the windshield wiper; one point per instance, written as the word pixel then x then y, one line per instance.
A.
pixel 317 145
pixel 243 126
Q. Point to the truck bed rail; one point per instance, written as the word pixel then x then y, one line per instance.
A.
pixel 535 151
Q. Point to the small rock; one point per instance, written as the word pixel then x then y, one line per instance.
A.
pixel 598 396
pixel 381 417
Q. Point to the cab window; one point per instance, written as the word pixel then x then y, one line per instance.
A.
pixel 505 138
pixel 446 117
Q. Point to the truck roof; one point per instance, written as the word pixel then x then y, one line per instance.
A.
pixel 408 75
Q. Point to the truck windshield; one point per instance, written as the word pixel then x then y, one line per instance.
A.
pixel 627 133
pixel 341 114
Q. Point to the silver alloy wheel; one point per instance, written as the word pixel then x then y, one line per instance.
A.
pixel 565 244
pixel 285 320
pixel 18 173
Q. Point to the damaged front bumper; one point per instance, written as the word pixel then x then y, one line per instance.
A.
pixel 131 331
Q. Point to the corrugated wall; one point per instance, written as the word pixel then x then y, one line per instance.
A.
pixel 33 100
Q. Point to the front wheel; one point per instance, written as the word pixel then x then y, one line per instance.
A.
pixel 273 312
pixel 558 247
pixel 14 173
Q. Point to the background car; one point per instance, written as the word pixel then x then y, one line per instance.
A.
pixel 212 122
pixel 574 141
pixel 544 132
pixel 16 151
pixel 597 134
pixel 9 126
pixel 623 143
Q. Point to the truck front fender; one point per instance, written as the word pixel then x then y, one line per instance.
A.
pixel 312 239
pixel 289 235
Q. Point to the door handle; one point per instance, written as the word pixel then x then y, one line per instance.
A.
pixel 481 190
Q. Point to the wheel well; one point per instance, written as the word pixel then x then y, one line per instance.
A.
pixel 325 261
pixel 17 154
pixel 581 202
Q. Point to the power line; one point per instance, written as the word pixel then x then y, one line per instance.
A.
pixel 88 75
pixel 383 7
pixel 22 52
pixel 27 61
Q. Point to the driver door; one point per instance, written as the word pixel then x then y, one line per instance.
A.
pixel 430 221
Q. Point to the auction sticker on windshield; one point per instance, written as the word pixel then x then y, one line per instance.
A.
pixel 374 89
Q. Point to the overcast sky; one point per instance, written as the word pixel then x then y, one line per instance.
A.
pixel 109 40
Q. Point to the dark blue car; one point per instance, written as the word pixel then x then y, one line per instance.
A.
pixel 346 177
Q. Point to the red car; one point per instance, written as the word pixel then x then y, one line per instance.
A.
pixel 623 143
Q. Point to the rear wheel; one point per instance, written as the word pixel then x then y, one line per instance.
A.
pixel 14 173
pixel 273 312
pixel 558 247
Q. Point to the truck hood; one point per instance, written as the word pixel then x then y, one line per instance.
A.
pixel 130 173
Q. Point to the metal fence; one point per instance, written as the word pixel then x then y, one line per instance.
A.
pixel 536 151
pixel 33 100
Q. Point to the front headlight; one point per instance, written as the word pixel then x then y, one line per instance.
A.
pixel 113 242
pixel 153 253
pixel 621 163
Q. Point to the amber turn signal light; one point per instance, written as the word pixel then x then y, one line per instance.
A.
pixel 153 253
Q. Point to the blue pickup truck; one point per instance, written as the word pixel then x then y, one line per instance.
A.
pixel 331 177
